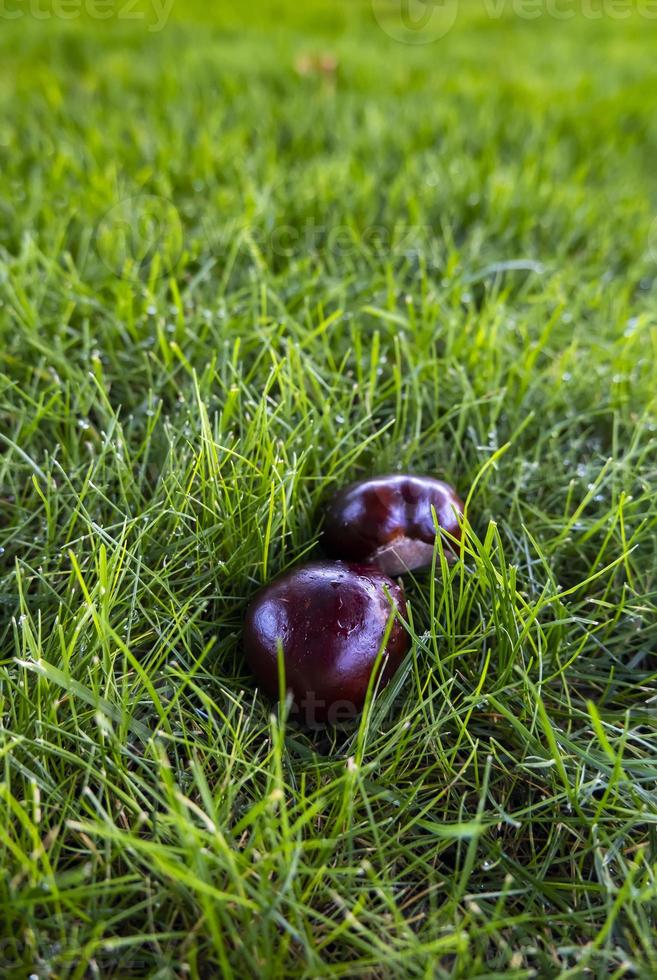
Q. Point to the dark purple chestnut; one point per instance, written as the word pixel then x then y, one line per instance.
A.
pixel 387 521
pixel 330 620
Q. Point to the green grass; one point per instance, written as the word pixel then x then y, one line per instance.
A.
pixel 439 257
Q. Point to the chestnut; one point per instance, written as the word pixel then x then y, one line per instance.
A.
pixel 387 521
pixel 330 620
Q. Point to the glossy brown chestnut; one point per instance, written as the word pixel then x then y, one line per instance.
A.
pixel 387 521
pixel 330 620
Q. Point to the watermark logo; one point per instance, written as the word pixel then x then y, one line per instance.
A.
pixel 140 238
pixel 416 21
pixel 153 14
pixel 340 241
pixel 424 21
pixel 314 713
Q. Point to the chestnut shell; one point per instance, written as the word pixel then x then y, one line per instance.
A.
pixel 330 619
pixel 387 521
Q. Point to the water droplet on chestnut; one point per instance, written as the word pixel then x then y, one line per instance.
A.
pixel 330 619
pixel 387 521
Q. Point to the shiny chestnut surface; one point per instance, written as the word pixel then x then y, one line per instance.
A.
pixel 387 521
pixel 330 619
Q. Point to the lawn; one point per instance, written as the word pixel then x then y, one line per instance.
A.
pixel 247 255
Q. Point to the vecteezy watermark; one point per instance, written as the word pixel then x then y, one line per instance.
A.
pixel 140 238
pixel 416 21
pixel 317 714
pixel 310 239
pixel 153 14
pixel 424 21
